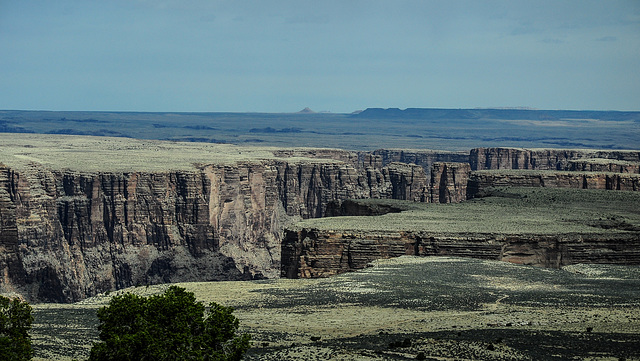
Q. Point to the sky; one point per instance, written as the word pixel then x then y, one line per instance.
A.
pixel 337 56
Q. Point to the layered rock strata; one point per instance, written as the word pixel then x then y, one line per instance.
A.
pixel 423 158
pixel 79 216
pixel 312 253
pixel 553 159
pixel 481 180
pixel 68 234
pixel 449 182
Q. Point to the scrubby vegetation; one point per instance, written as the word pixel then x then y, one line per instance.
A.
pixel 448 308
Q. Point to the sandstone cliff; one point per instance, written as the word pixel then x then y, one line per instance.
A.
pixel 313 253
pixel 561 168
pixel 553 159
pixel 423 158
pixel 81 215
pixel 534 226
pixel 69 233
pixel 481 180
pixel 449 182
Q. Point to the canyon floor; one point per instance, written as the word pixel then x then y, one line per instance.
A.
pixel 432 308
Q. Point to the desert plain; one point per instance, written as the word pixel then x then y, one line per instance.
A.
pixel 430 308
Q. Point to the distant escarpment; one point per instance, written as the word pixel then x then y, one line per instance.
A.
pixel 496 113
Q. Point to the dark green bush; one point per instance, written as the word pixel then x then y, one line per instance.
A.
pixel 15 323
pixel 171 326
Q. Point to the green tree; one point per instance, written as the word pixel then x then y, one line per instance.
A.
pixel 171 326
pixel 15 323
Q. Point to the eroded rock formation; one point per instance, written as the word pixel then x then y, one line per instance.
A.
pixel 449 182
pixel 311 253
pixel 582 180
pixel 68 234
pixel 552 159
pixel 423 158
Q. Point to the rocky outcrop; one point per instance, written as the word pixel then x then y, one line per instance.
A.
pixel 550 159
pixel 561 168
pixel 603 165
pixel 311 253
pixel 482 180
pixel 449 182
pixel 423 158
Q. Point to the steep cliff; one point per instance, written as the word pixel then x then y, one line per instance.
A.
pixel 553 159
pixel 546 227
pixel 481 180
pixel 78 223
pixel 83 215
pixel 313 253
pixel 449 182
pixel 423 158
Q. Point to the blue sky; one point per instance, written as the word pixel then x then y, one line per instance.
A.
pixel 339 56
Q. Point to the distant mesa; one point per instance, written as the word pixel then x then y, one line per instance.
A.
pixel 496 113
pixel 306 110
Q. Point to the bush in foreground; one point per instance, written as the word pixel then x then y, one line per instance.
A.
pixel 15 323
pixel 171 326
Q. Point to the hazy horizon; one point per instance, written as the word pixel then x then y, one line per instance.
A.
pixel 338 56
pixel 311 111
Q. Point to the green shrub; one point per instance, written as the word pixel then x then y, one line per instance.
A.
pixel 15 323
pixel 171 326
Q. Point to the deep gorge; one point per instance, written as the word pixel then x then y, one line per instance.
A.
pixel 67 234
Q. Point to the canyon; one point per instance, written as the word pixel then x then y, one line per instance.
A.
pixel 84 215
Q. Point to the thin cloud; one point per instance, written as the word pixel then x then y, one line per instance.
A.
pixel 552 41
pixel 607 39
pixel 308 19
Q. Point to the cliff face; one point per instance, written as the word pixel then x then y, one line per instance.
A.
pixel 552 159
pixel 449 182
pixel 78 234
pixel 561 168
pixel 67 235
pixel 608 165
pixel 311 253
pixel 481 180
pixel 425 158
